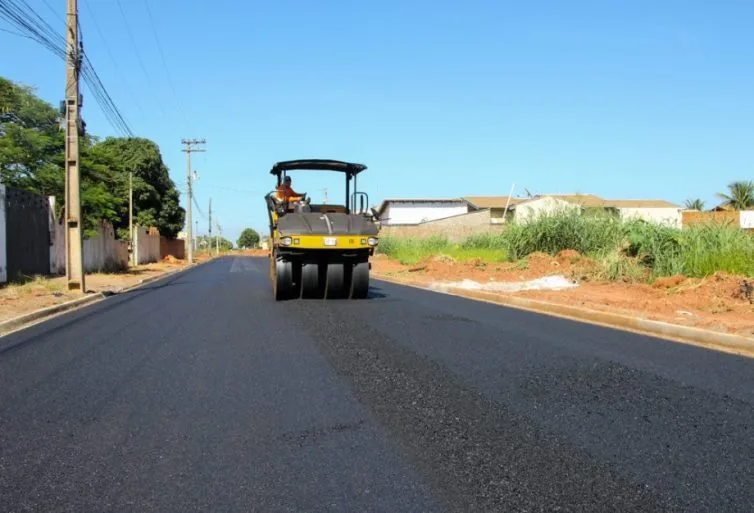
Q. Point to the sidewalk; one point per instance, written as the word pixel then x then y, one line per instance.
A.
pixel 43 292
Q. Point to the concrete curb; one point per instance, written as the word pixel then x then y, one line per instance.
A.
pixel 686 334
pixel 28 319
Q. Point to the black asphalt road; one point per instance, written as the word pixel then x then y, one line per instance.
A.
pixel 200 393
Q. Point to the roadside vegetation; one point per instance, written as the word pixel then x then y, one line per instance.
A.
pixel 621 250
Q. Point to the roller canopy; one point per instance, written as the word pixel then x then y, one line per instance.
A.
pixel 349 168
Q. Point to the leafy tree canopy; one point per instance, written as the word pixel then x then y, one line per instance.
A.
pixel 205 242
pixel 249 238
pixel 695 204
pixel 740 195
pixel 32 151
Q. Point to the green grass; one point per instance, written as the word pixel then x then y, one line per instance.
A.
pixel 631 250
pixel 412 251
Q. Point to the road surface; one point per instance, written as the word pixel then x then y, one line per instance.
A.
pixel 200 393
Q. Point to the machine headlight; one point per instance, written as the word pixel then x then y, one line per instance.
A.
pixel 372 241
pixel 285 241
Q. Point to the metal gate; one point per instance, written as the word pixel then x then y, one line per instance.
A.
pixel 27 233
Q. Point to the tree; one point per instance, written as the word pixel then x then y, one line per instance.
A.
pixel 740 195
pixel 156 199
pixel 696 204
pixel 205 242
pixel 249 238
pixel 32 151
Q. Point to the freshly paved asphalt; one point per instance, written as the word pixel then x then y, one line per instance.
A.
pixel 200 393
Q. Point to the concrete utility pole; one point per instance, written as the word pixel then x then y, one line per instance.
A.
pixel 74 256
pixel 131 215
pixel 210 224
pixel 196 237
pixel 189 149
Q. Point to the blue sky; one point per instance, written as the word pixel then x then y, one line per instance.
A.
pixel 624 99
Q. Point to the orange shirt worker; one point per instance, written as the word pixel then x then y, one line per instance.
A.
pixel 286 193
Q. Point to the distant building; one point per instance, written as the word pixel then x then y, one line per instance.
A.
pixel 655 211
pixel 503 208
pixel 419 210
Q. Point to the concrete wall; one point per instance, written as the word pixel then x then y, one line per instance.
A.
pixel 421 211
pixel 456 228
pixel 103 253
pixel 665 216
pixel 692 217
pixel 747 219
pixel 146 245
pixel 3 242
pixel 172 247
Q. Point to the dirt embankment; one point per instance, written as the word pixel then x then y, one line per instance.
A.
pixel 720 302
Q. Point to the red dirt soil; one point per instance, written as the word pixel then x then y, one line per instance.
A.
pixel 715 302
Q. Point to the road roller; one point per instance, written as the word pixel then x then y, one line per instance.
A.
pixel 320 251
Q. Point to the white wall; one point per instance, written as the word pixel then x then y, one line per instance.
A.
pixel 531 210
pixel 3 247
pixel 666 216
pixel 101 253
pixel 747 219
pixel 421 211
pixel 146 246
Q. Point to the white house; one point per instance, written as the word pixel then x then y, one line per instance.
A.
pixel 415 211
pixel 531 210
pixel 655 211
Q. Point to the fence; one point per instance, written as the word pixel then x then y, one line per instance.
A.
pixel 25 234
pixel 103 253
pixel 146 245
pixel 172 247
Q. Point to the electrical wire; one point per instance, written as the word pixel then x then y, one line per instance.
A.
pixel 24 18
pixel 113 60
pixel 14 33
pixel 54 11
pixel 165 66
pixel 198 208
pixel 138 55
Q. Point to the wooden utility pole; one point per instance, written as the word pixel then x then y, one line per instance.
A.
pixel 74 258
pixel 189 149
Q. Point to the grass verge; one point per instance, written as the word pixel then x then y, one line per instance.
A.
pixel 634 250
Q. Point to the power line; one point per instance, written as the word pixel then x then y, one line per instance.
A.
pixel 138 55
pixel 54 11
pixel 198 208
pixel 165 65
pixel 24 18
pixel 113 60
pixel 14 33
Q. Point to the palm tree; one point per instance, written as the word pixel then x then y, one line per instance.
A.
pixel 696 204
pixel 740 196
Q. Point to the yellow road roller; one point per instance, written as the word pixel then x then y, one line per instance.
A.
pixel 320 250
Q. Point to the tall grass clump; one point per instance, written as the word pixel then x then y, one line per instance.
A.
pixel 697 251
pixel 589 234
pixel 633 250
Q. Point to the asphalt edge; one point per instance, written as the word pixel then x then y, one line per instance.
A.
pixel 684 334
pixel 28 319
